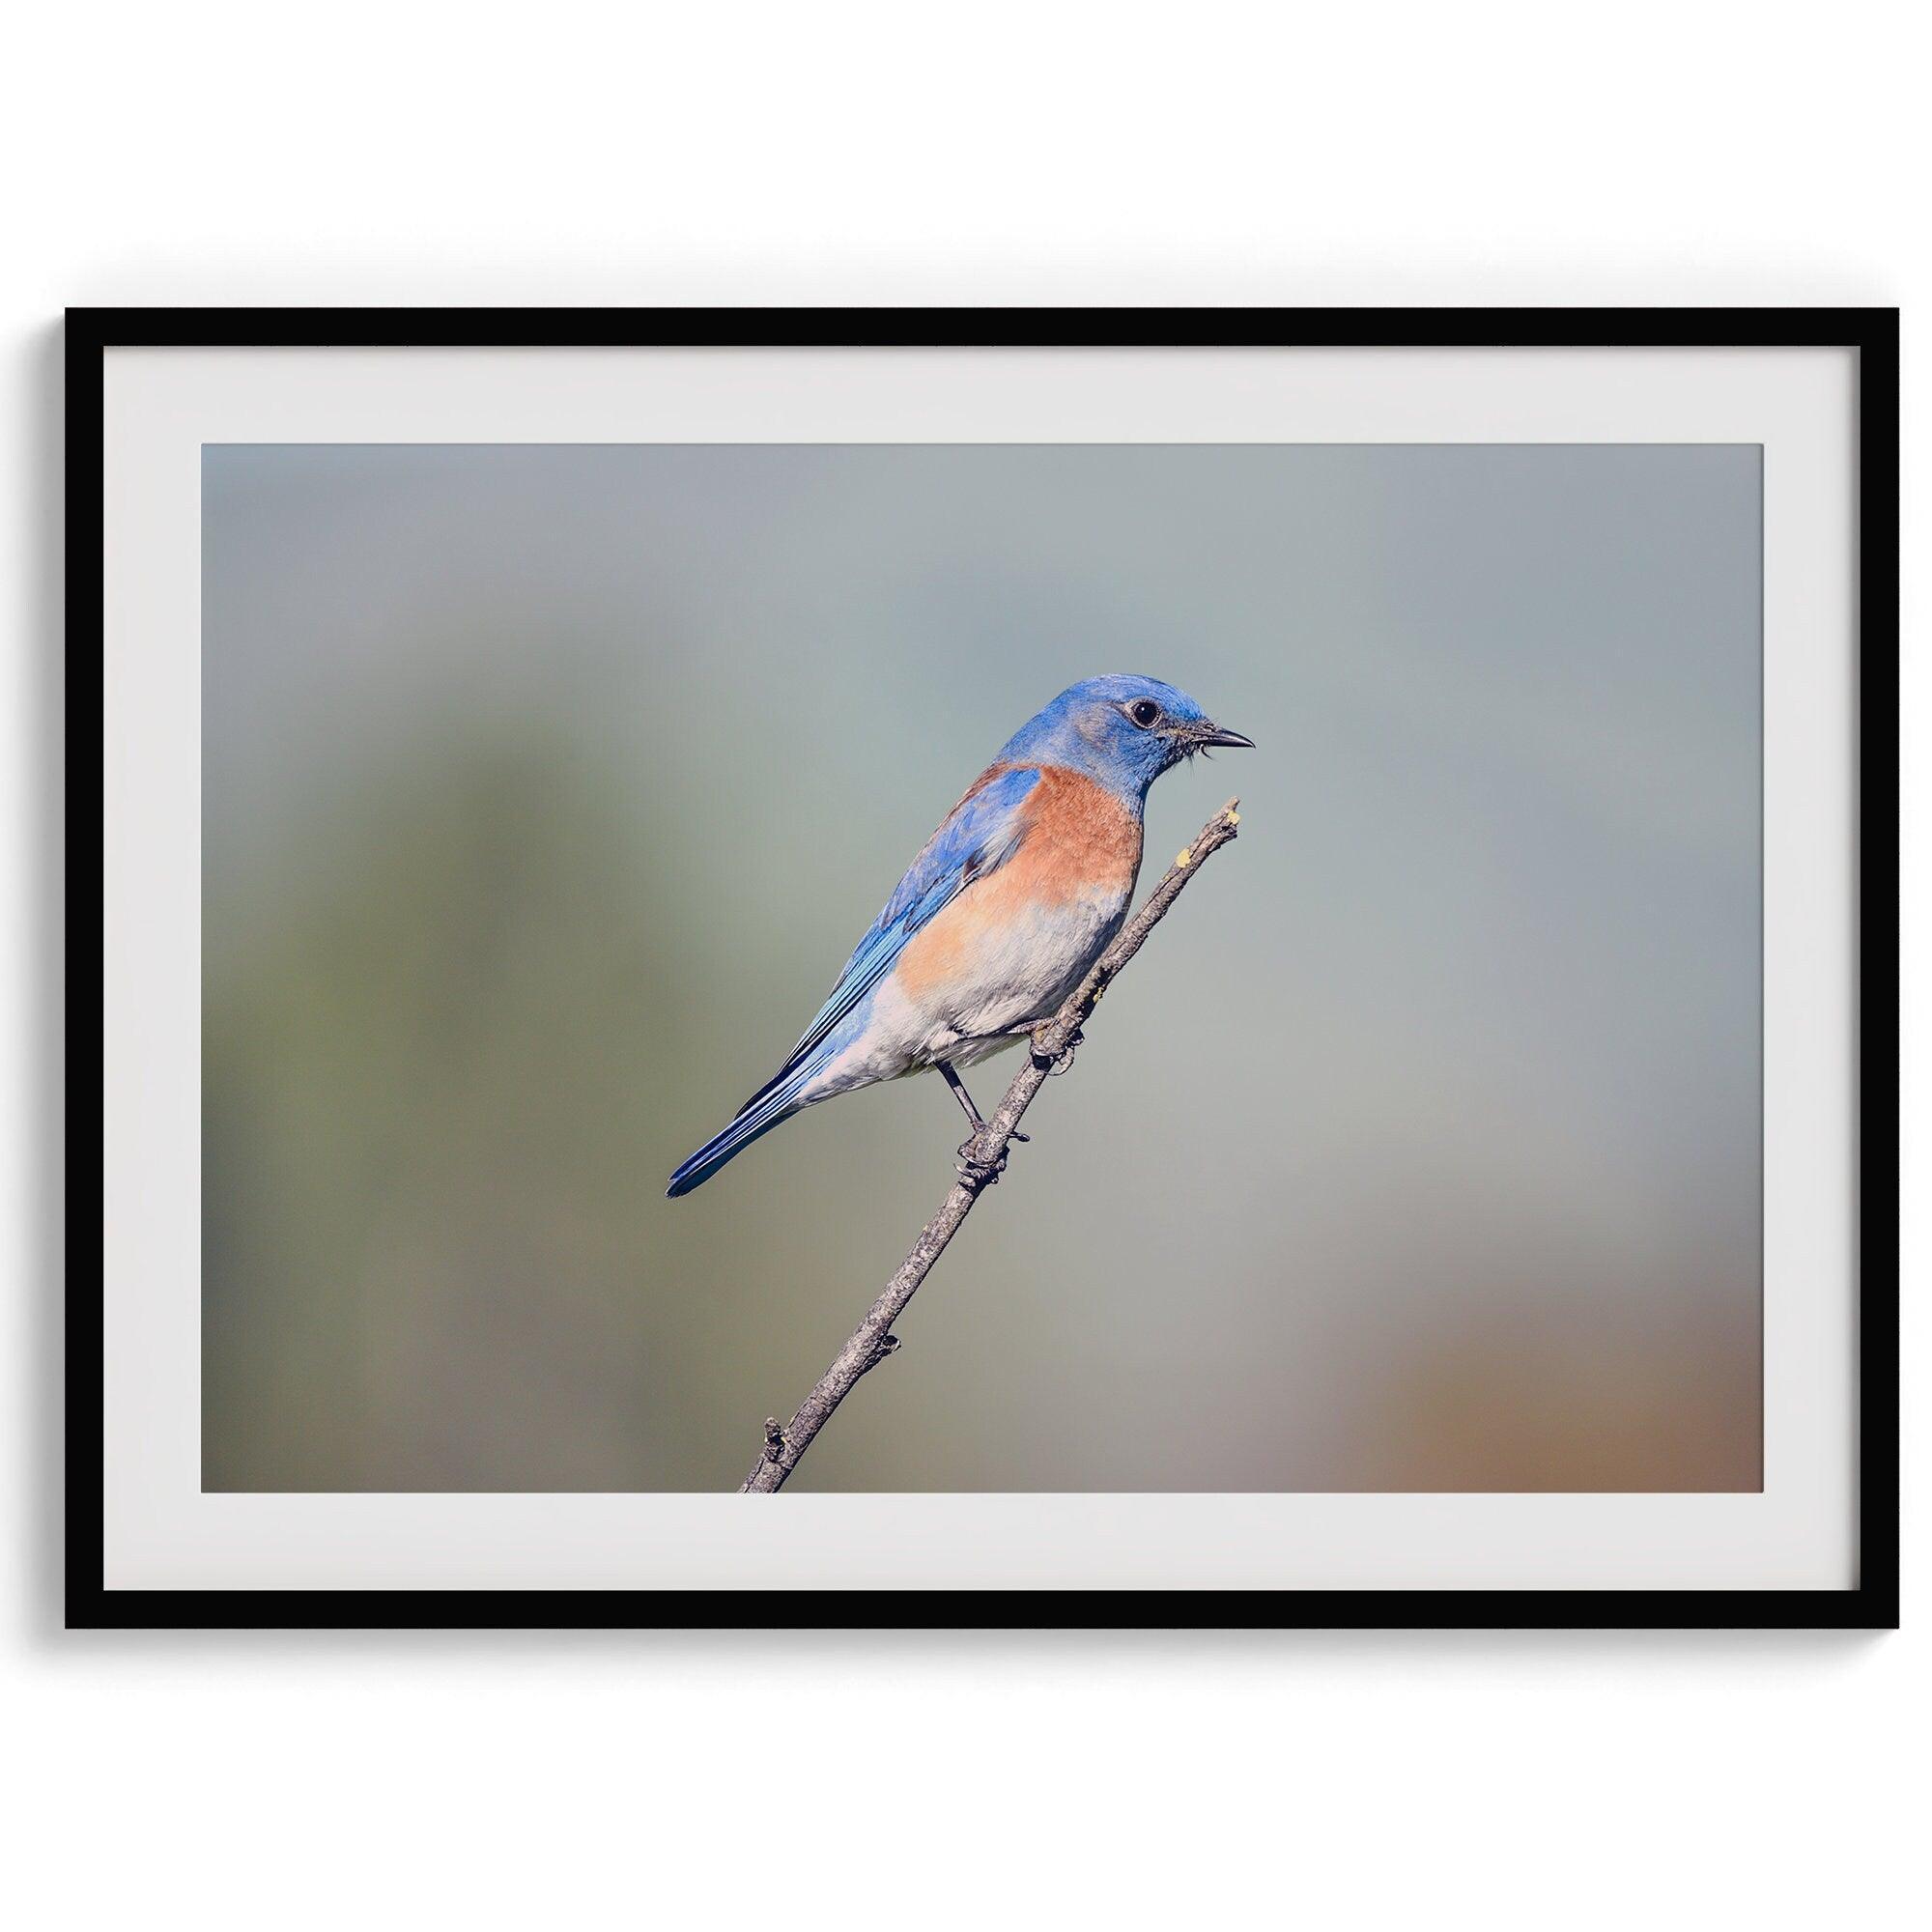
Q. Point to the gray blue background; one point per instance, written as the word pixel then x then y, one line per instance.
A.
pixel 546 790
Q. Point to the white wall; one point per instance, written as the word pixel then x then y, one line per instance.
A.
pixel 382 153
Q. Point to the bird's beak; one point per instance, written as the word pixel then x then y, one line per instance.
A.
pixel 1208 733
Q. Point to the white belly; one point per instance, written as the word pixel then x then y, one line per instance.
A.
pixel 1007 982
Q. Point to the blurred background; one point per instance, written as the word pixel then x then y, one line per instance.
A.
pixel 546 790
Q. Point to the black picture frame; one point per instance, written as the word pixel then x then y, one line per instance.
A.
pixel 1872 332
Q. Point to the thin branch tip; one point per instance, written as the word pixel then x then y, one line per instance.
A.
pixel 1050 1052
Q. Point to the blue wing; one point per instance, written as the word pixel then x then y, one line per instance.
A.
pixel 983 831
pixel 978 835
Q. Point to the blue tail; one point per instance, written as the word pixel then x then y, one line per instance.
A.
pixel 766 1110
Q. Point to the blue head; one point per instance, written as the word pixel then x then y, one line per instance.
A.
pixel 1124 732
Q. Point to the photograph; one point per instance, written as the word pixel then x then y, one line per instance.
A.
pixel 991 1013
pixel 546 788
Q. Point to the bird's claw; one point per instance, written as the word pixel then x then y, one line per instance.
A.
pixel 1051 1052
pixel 975 1167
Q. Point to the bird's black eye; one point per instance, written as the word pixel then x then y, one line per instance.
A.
pixel 1144 710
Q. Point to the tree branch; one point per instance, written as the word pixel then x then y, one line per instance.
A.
pixel 1051 1048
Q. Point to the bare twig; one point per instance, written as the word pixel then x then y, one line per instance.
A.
pixel 1050 1049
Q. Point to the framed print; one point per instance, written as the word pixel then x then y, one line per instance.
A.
pixel 1460 746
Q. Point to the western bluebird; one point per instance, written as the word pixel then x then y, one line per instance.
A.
pixel 998 918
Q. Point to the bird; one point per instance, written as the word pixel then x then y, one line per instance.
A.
pixel 998 918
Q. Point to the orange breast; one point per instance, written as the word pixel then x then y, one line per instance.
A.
pixel 1080 839
pixel 1080 843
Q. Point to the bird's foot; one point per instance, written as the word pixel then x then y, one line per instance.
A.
pixel 979 1165
pixel 1063 1061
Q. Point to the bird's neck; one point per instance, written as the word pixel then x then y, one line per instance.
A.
pixel 1070 752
